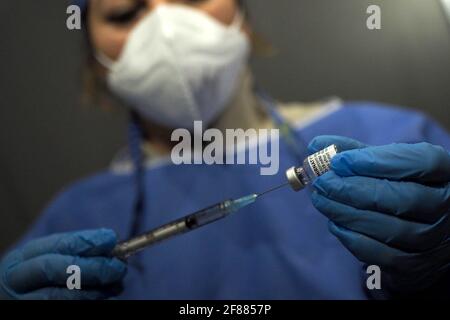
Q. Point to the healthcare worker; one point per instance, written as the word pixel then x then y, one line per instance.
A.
pixel 173 62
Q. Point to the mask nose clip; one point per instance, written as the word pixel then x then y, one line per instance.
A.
pixel 107 62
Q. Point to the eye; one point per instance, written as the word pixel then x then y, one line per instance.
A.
pixel 126 15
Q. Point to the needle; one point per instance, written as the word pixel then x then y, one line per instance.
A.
pixel 273 189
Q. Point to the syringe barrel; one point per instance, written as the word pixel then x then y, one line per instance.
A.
pixel 129 247
pixel 313 166
pixel 209 215
pixel 197 219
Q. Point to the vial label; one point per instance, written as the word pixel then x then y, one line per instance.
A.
pixel 320 162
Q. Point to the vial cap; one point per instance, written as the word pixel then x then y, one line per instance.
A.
pixel 294 181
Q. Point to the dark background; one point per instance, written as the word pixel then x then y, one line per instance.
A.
pixel 48 140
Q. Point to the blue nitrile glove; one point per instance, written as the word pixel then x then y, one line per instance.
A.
pixel 390 206
pixel 38 270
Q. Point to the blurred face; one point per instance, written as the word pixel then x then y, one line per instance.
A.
pixel 111 21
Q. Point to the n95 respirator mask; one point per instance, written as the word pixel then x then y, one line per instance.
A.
pixel 179 65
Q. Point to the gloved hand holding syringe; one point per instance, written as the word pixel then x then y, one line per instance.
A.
pixel 298 177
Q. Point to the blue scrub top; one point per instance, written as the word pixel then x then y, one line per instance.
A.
pixel 277 248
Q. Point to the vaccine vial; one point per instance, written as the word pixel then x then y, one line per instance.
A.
pixel 313 166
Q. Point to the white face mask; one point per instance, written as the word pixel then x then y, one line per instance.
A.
pixel 179 65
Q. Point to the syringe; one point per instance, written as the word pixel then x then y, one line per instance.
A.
pixel 183 225
pixel 298 178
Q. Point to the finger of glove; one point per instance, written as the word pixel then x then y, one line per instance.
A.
pixel 368 250
pixel 82 243
pixel 56 293
pixel 409 200
pixel 420 162
pixel 390 260
pixel 343 143
pixel 392 231
pixel 51 270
